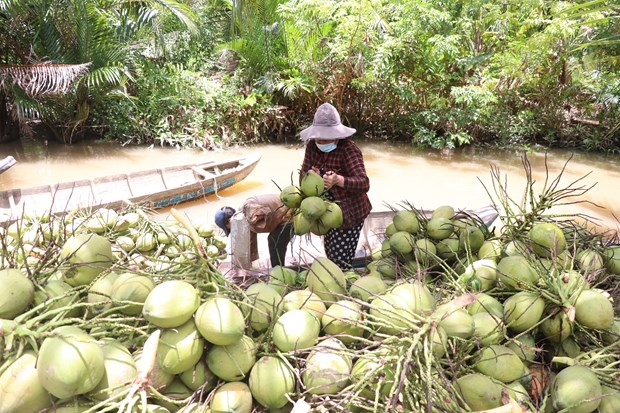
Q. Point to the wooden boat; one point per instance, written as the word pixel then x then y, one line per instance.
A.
pixel 6 163
pixel 305 248
pixel 154 188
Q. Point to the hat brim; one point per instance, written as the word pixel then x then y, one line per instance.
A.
pixel 326 132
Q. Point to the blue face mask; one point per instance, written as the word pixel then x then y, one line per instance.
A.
pixel 327 147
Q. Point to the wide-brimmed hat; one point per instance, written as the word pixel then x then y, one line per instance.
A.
pixel 222 216
pixel 326 125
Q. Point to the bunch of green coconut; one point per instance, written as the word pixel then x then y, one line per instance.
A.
pixel 71 307
pixel 313 212
pixel 146 242
pixel 447 317
pixel 529 320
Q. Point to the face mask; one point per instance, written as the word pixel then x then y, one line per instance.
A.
pixel 326 147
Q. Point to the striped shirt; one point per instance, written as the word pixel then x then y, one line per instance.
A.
pixel 345 160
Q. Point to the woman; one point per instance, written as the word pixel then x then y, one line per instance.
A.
pixel 339 161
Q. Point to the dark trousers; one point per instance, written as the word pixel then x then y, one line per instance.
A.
pixel 278 241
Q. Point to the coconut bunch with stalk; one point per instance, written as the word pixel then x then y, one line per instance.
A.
pixel 313 211
pixel 418 241
pixel 74 318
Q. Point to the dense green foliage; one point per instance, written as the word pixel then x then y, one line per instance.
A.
pixel 437 73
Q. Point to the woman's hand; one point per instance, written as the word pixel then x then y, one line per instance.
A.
pixel 333 179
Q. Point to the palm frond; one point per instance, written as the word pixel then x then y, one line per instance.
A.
pixel 42 79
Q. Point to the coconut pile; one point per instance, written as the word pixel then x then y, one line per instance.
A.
pixel 118 311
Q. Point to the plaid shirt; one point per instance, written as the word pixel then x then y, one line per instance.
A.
pixel 345 160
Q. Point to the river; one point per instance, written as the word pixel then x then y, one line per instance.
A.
pixel 399 174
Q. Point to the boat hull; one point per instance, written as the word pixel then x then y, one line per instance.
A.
pixel 156 188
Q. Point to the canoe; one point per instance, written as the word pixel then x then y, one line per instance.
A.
pixel 6 163
pixel 304 249
pixel 154 188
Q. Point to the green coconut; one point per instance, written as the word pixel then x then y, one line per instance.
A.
pixel 523 311
pixel 180 348
pixel 367 287
pixel 318 228
pixel 313 207
pixel 291 196
pixel 457 322
pixel 448 249
pixel 120 370
pixel 371 370
pixel 424 251
pixel 556 327
pixel 326 280
pixel 612 259
pixel 262 305
pixel 301 224
pixel 312 184
pixel 515 272
pixel 176 391
pixel 568 348
pixel 610 403
pixel 480 274
pixel 479 391
pixel 130 291
pixel 439 228
pixel 85 256
pixel 282 278
pixel 490 249
pixel 406 220
pixel 471 239
pixel 21 389
pixel 612 334
pixel 488 328
pixel 443 211
pixel 590 261
pixel 515 247
pixel 199 376
pixel 577 389
pixel 344 321
pixel 296 330
pixel 234 361
pixel 304 300
pixel 547 240
pixel 234 397
pixel 220 321
pixel 487 304
pixel 387 266
pixel 391 314
pixel 524 346
pixel 332 218
pixel 171 304
pixel 271 380
pixel 70 362
pixel 16 294
pixel 594 310
pixel 402 242
pixel 500 363
pixel 416 295
pixel 60 296
pixel 100 293
pixel 328 368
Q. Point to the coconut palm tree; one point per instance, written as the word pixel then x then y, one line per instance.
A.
pixel 59 57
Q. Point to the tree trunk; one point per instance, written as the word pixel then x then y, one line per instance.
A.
pixel 9 129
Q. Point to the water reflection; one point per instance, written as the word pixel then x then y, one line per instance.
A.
pixel 398 173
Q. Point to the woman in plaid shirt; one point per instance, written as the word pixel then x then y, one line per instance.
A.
pixel 341 164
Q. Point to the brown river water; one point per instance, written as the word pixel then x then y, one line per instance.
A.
pixel 399 174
